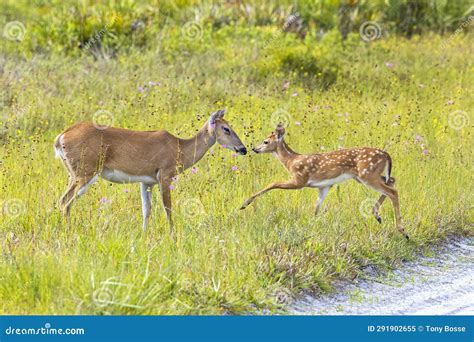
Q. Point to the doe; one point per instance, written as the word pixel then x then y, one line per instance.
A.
pixel 322 170
pixel 121 155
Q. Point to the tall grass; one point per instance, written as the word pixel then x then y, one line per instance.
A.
pixel 70 26
pixel 408 96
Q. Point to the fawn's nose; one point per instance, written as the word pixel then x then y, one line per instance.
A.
pixel 255 150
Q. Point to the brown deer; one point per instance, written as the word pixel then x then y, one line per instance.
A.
pixel 119 155
pixel 322 170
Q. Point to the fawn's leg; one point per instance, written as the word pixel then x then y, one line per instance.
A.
pixel 289 185
pixel 378 204
pixel 378 184
pixel 323 192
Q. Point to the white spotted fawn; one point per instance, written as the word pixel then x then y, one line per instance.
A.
pixel 322 170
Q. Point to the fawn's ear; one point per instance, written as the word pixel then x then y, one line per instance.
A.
pixel 216 115
pixel 280 131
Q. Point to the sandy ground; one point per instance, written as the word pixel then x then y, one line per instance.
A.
pixel 441 285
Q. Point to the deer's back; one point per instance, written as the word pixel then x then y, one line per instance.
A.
pixel 133 152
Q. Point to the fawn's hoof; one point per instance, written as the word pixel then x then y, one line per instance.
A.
pixel 379 219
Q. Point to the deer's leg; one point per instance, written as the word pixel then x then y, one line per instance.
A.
pixel 378 204
pixel 69 191
pixel 290 185
pixel 322 193
pixel 71 183
pixel 80 187
pixel 146 202
pixel 379 185
pixel 165 191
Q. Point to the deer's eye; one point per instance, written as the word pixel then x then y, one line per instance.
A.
pixel 266 142
pixel 226 130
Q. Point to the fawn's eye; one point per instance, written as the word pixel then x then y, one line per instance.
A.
pixel 266 142
pixel 226 130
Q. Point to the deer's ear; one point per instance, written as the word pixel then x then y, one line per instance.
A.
pixel 280 131
pixel 213 117
pixel 216 115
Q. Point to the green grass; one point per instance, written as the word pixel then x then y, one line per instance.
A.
pixel 226 260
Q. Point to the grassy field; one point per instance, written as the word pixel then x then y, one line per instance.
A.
pixel 410 97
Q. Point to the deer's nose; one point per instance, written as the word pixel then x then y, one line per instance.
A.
pixel 243 150
pixel 255 150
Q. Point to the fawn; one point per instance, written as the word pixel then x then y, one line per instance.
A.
pixel 322 170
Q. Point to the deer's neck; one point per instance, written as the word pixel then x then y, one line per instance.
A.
pixel 285 154
pixel 193 149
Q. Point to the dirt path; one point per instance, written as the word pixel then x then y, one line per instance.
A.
pixel 443 285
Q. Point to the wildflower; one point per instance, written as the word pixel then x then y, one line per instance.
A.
pixel 426 152
pixel 154 84
pixel 104 200
pixel 297 123
pixel 450 102
pixel 234 168
pixel 141 89
pixel 126 191
pixel 389 65
pixel 171 187
pixel 418 139
pixel 194 170
pixel 234 154
pixel 294 94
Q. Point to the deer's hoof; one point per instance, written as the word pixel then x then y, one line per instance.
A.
pixel 379 219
